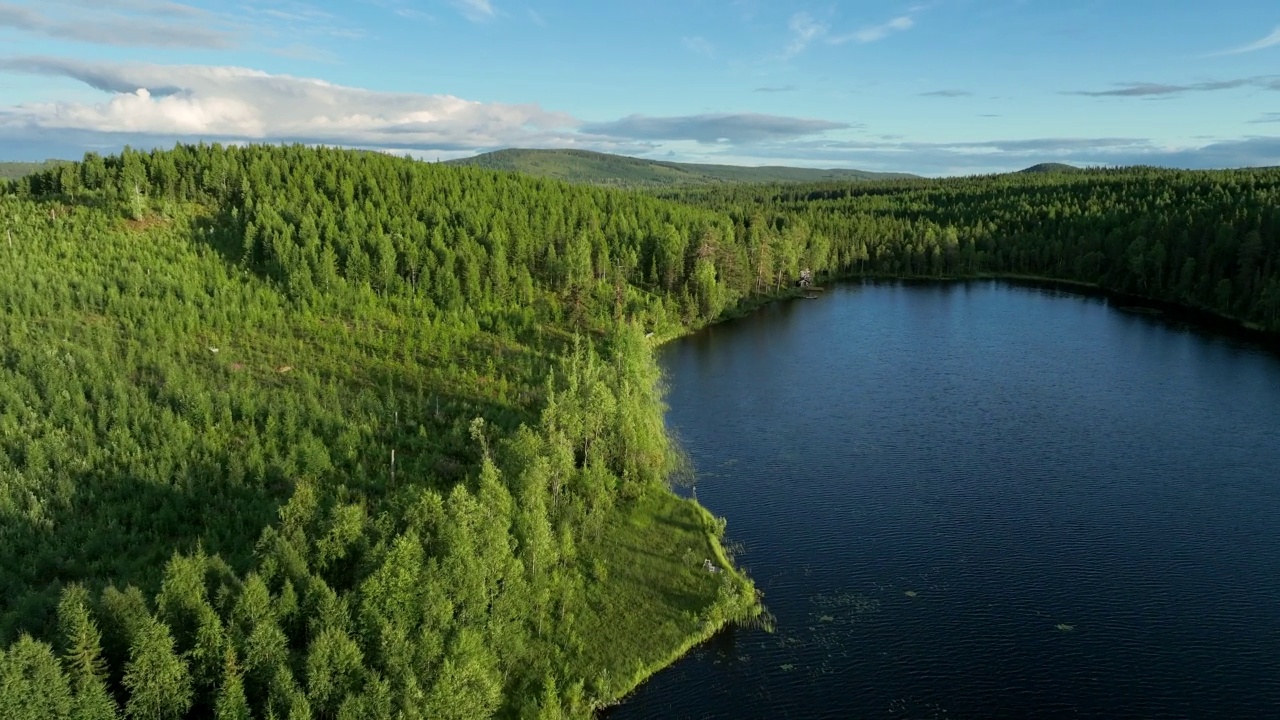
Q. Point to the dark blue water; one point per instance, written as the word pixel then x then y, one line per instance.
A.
pixel 984 501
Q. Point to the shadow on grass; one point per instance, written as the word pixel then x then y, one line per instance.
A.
pixel 123 530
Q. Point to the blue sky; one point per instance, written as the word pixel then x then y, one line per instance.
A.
pixel 938 87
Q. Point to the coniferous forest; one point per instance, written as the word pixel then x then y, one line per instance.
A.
pixel 292 432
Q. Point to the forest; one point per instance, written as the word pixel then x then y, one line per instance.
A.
pixel 295 432
pixel 1206 240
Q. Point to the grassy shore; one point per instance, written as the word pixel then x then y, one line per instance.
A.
pixel 659 601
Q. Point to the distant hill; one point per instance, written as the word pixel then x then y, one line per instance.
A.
pixel 14 170
pixel 584 167
pixel 1050 168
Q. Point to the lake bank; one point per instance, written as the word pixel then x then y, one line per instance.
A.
pixel 931 481
pixel 1200 318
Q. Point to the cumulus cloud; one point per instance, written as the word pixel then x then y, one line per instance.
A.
pixel 239 103
pixel 149 105
pixel 130 26
pixel 189 102
pixel 1269 41
pixel 736 128
pixel 1145 89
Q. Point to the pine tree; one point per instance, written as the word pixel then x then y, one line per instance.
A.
pixel 32 685
pixel 83 658
pixel 157 679
pixel 231 703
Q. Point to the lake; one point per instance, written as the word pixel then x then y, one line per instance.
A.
pixel 983 500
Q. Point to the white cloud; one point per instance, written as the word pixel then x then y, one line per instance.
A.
pixel 239 103
pixel 730 128
pixel 289 20
pixel 1269 41
pixel 149 103
pixel 1150 89
pixel 873 33
pixel 152 7
pixel 120 23
pixel 804 30
pixel 475 10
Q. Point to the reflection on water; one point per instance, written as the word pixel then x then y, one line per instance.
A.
pixel 978 500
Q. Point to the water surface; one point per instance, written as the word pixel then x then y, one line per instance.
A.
pixel 980 500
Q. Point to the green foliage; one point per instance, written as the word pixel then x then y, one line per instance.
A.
pixel 82 658
pixel 1050 168
pixel 334 669
pixel 1206 240
pixel 326 436
pixel 15 170
pixel 32 686
pixel 231 703
pixel 156 678
pixel 468 683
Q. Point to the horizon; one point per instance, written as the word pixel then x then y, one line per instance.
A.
pixel 943 88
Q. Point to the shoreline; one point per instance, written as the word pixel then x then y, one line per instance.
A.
pixel 1200 317
pixel 721 614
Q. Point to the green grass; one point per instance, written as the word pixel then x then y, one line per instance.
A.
pixel 659 601
pixel 580 166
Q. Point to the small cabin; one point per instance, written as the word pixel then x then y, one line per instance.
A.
pixel 806 278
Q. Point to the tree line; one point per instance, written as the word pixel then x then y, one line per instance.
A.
pixel 1208 240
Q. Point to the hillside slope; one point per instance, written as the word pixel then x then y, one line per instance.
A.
pixel 584 167
pixel 1050 167
pixel 321 433
pixel 14 170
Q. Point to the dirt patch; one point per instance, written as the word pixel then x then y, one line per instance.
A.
pixel 146 223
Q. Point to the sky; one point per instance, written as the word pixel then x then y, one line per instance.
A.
pixel 937 87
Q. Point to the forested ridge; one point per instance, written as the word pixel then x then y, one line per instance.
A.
pixel 583 166
pixel 298 432
pixel 1208 240
pixel 15 170
pixel 314 433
